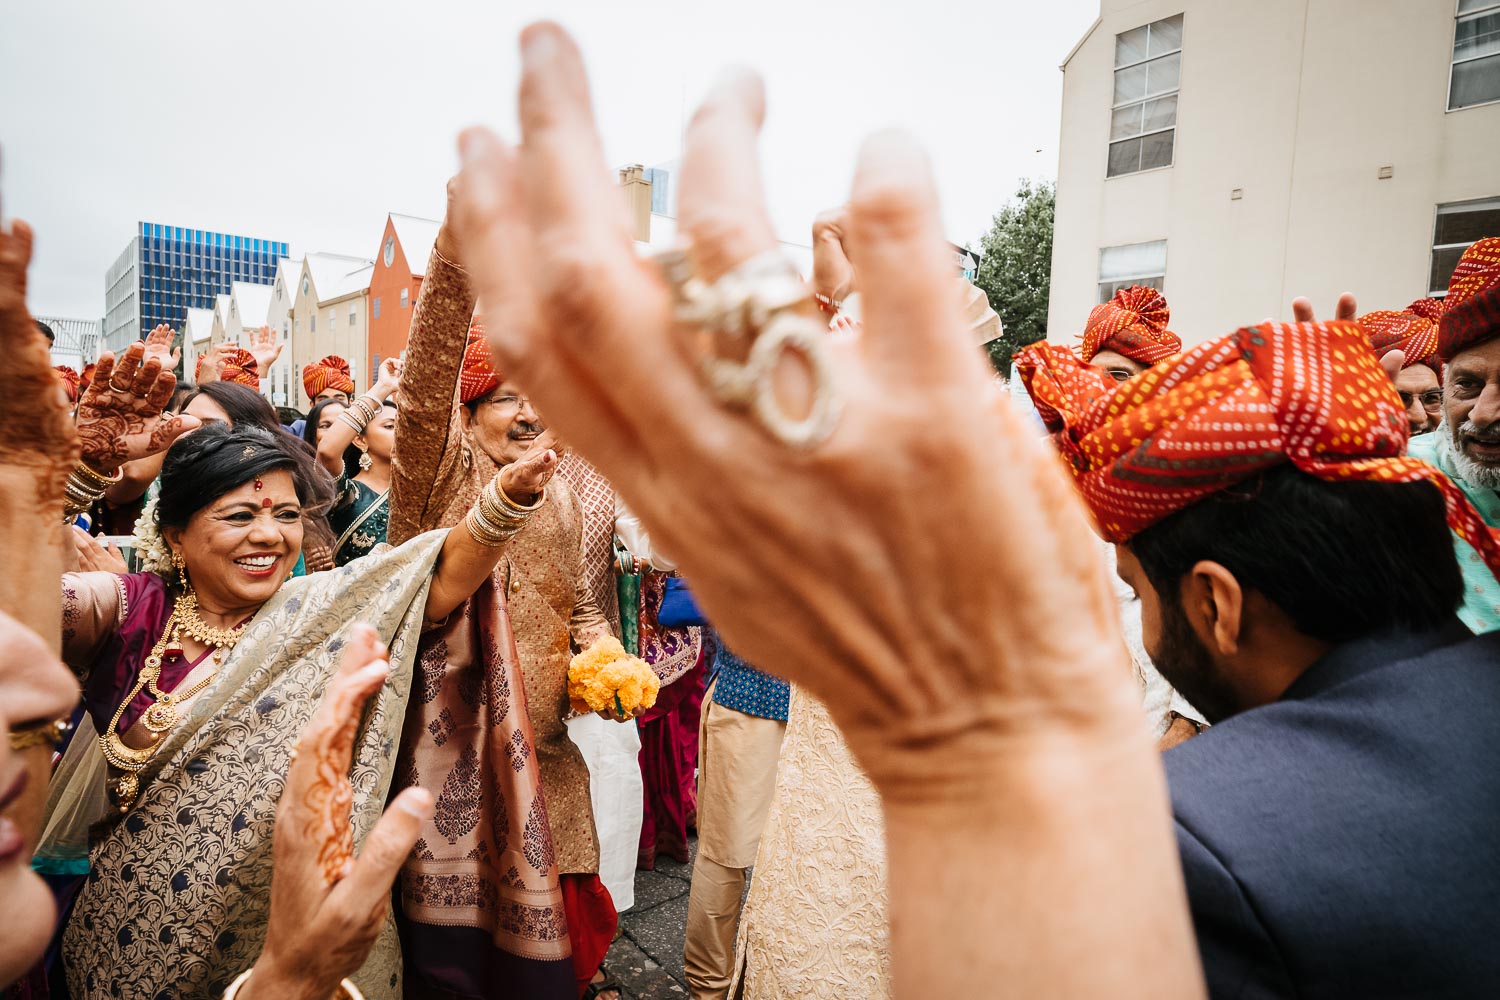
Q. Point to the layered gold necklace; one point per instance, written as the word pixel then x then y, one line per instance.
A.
pixel 164 714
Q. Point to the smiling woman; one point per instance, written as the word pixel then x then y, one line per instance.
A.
pixel 198 675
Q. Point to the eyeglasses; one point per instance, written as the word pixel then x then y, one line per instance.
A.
pixel 509 402
pixel 1432 400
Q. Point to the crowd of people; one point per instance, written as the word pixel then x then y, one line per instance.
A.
pixel 1196 694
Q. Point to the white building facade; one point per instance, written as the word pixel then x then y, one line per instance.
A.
pixel 1237 155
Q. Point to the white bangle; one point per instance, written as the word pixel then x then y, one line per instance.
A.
pixel 347 990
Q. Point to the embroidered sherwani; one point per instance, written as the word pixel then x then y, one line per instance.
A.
pixel 438 473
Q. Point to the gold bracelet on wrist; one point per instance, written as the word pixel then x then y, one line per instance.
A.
pixel 506 503
pixel 347 990
pixel 92 477
pixel 483 531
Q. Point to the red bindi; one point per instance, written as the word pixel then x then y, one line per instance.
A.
pixel 265 504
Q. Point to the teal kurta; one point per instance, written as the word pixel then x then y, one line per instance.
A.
pixel 1481 609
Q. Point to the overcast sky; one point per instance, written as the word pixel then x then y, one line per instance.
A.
pixel 307 122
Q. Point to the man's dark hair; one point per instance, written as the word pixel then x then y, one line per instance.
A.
pixel 245 406
pixel 217 458
pixel 1343 560
pixel 46 332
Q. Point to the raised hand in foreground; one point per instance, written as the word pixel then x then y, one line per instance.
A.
pixel 927 571
pixel 120 418
pixel 327 906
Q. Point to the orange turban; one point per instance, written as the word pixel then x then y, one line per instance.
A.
pixel 1133 323
pixel 69 379
pixel 478 377
pixel 239 366
pixel 86 377
pixel 1311 394
pixel 1413 331
pixel 330 373
pixel 1471 312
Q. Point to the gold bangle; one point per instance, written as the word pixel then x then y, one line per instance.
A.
pixel 485 533
pixel 93 478
pixel 347 990
pixel 507 503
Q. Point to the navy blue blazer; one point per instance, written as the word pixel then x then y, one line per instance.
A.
pixel 1345 840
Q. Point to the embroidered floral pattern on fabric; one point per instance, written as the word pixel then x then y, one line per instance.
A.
pixel 458 807
pixel 814 925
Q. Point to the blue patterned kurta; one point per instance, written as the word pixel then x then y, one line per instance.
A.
pixel 1481 609
pixel 743 688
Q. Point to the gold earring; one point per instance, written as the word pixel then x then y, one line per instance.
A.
pixel 181 565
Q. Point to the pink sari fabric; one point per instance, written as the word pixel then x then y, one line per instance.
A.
pixel 669 760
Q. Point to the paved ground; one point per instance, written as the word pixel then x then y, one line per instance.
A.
pixel 647 956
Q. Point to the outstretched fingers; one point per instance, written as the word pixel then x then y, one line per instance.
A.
pixel 721 206
pixel 911 316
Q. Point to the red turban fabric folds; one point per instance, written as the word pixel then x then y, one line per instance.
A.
pixel 86 377
pixel 478 377
pixel 239 366
pixel 69 378
pixel 1413 330
pixel 330 373
pixel 1471 312
pixel 1133 323
pixel 1311 394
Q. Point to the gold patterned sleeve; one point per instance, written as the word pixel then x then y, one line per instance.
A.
pixel 93 607
pixel 427 463
pixel 587 624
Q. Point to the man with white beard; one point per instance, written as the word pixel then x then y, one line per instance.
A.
pixel 1467 445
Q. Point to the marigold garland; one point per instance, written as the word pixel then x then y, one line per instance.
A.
pixel 605 678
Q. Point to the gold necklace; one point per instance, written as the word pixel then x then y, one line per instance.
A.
pixel 163 715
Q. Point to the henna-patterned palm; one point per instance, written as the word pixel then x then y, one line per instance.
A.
pixel 120 418
pixel 39 440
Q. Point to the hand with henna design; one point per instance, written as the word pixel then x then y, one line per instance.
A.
pixel 39 447
pixel 120 417
pixel 327 907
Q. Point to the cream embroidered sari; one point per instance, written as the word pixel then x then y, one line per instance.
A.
pixel 178 892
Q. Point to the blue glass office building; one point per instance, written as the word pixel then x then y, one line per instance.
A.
pixel 167 270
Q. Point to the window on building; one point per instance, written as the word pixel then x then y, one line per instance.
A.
pixel 332 320
pixel 376 307
pixel 1132 264
pixel 353 317
pixel 1143 123
pixel 405 298
pixel 312 323
pixel 1476 54
pixel 1457 226
pixel 374 369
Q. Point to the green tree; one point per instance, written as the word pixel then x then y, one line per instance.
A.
pixel 1016 270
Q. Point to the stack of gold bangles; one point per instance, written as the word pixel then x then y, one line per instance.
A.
pixel 84 488
pixel 496 518
pixel 361 412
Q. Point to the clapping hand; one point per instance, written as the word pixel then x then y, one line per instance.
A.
pixel 327 906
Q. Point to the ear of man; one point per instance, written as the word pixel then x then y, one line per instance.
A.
pixel 1215 605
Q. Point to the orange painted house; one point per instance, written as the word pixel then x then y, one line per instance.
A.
pixel 400 263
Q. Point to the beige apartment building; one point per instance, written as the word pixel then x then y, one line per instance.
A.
pixel 1237 155
pixel 330 315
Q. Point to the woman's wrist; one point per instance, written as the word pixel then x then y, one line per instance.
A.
pixel 265 981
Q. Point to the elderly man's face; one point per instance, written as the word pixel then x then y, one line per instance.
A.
pixel 1418 386
pixel 1471 413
